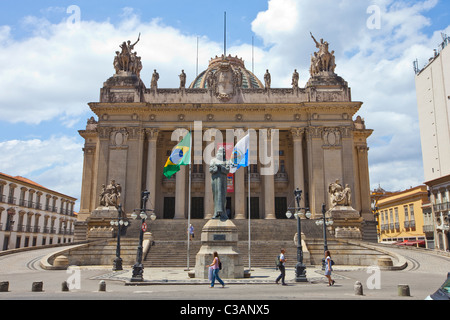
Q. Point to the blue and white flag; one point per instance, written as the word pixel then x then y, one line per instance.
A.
pixel 239 156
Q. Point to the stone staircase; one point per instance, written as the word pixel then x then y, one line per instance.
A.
pixel 267 238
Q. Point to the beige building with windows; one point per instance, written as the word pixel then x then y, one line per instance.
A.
pixel 32 215
pixel 433 99
pixel 405 218
pixel 320 140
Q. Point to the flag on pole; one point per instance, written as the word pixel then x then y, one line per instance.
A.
pixel 181 156
pixel 239 156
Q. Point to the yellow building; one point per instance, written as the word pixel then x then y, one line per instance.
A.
pixel 404 218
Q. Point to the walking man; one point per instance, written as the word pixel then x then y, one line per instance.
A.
pixel 282 267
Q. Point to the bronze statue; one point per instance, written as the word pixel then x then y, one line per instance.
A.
pixel 127 60
pixel 219 168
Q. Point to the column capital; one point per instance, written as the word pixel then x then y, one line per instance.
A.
pixel 152 133
pixel 297 133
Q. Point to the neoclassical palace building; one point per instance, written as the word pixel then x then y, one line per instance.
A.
pixel 32 215
pixel 320 139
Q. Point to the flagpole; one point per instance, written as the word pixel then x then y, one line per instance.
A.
pixel 189 201
pixel 249 217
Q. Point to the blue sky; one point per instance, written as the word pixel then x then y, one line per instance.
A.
pixel 49 72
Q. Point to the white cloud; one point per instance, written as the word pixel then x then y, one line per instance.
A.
pixel 55 163
pixel 56 72
pixel 377 63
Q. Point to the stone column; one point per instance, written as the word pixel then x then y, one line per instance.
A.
pixel 239 193
pixel 317 187
pixel 268 180
pixel 299 181
pixel 152 136
pixel 87 199
pixel 180 194
pixel 269 196
pixel 363 162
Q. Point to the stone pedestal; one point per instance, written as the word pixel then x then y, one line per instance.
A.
pixel 220 236
pixel 99 223
pixel 346 222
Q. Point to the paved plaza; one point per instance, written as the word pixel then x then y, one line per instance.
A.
pixel 424 274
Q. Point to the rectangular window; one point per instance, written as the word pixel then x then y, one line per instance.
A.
pixel 411 215
pixel 397 221
pixel 391 219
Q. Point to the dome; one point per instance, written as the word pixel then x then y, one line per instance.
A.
pixel 249 80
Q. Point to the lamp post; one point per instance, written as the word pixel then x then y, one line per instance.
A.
pixel 117 264
pixel 138 268
pixel 325 222
pixel 300 268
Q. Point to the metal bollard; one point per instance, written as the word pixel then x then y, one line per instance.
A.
pixel 358 288
pixel 37 286
pixel 403 290
pixel 102 286
pixel 4 286
pixel 65 286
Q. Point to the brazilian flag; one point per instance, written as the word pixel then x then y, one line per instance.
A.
pixel 181 156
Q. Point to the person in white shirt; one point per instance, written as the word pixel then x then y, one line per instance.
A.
pixel 282 267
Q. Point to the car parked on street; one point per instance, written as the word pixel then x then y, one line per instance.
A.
pixel 443 293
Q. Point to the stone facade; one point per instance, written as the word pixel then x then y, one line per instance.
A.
pixel 320 141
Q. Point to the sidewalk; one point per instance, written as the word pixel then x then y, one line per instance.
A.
pixel 180 276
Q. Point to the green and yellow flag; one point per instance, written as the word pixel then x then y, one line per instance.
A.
pixel 181 156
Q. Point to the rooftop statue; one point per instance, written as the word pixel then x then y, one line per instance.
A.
pixel 322 61
pixel 126 60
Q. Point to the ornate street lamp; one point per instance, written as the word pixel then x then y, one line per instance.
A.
pixel 300 268
pixel 325 222
pixel 117 264
pixel 138 268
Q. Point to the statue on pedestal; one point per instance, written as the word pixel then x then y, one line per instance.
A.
pixel 219 168
pixel 340 195
pixel 110 195
pixel 322 61
pixel 126 60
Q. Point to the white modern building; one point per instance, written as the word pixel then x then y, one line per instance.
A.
pixel 433 99
pixel 32 215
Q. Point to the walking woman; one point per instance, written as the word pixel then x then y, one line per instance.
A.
pixel 215 270
pixel 328 268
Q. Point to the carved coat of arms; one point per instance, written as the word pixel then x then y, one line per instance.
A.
pixel 224 82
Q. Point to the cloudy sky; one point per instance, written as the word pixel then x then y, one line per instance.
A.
pixel 55 56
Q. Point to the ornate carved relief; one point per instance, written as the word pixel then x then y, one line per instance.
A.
pixel 297 133
pixel 224 81
pixel 118 137
pixel 152 134
pixel 314 132
pixel 332 137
